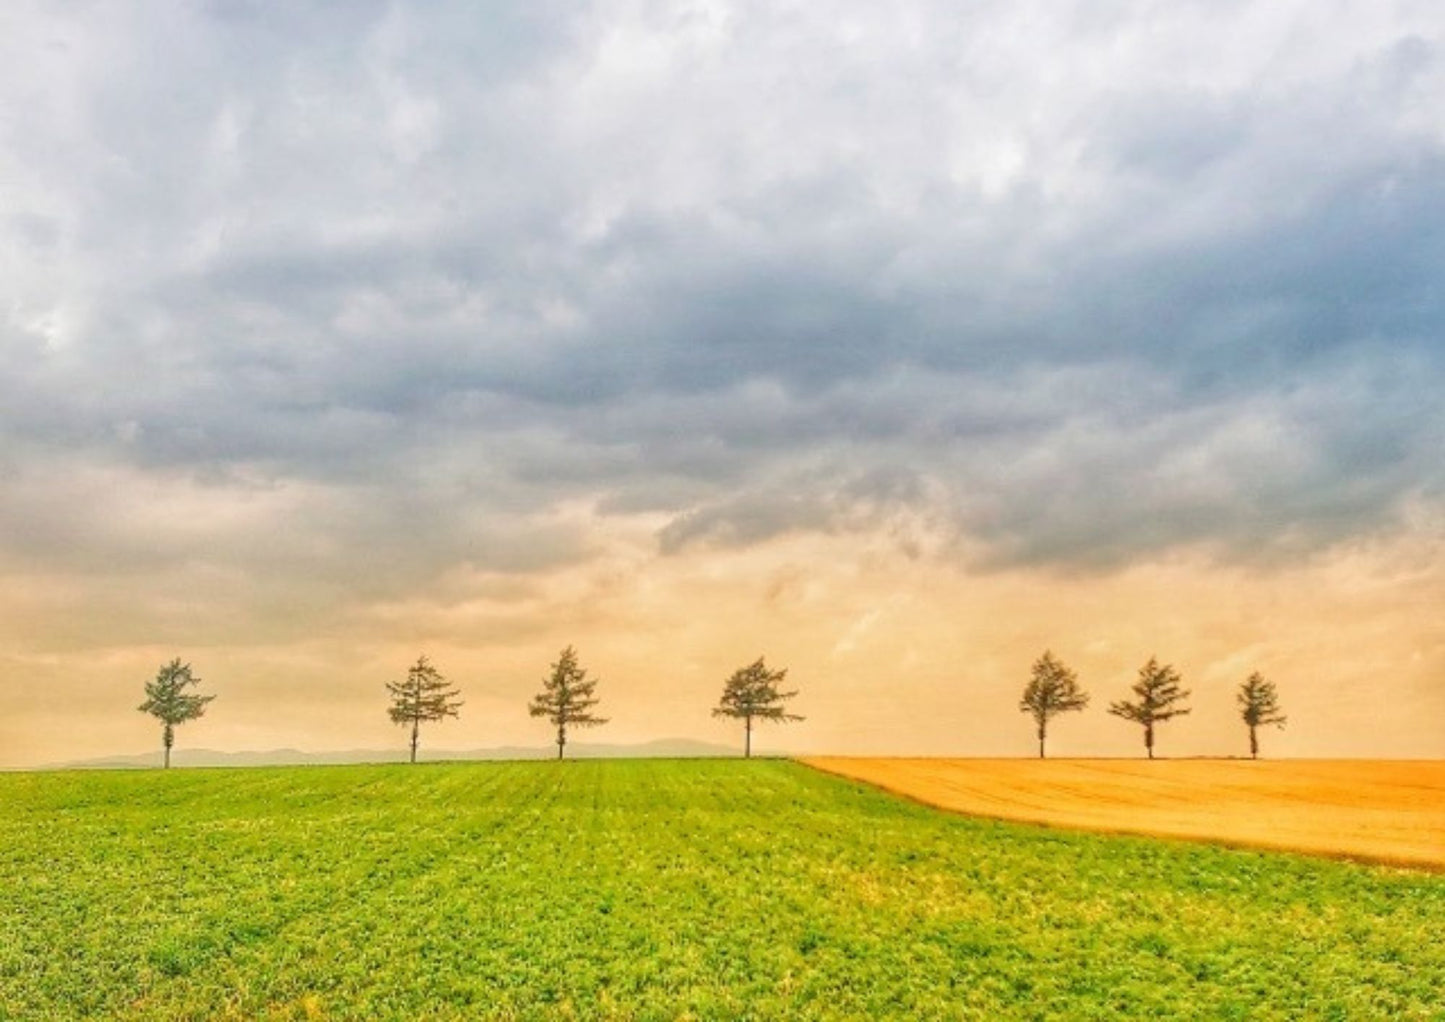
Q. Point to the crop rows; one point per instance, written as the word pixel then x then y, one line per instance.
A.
pixel 656 889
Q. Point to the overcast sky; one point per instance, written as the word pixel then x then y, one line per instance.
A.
pixel 897 342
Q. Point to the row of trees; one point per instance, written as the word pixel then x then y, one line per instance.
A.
pixel 568 699
pixel 1158 696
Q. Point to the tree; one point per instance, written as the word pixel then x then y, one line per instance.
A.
pixel 168 701
pixel 1258 705
pixel 1159 698
pixel 751 693
pixel 424 697
pixel 567 698
pixel 1052 690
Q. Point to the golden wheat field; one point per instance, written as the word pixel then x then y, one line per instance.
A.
pixel 1374 810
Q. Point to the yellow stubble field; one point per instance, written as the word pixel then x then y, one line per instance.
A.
pixel 1390 811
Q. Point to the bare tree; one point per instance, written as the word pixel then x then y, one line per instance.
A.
pixel 1159 698
pixel 751 693
pixel 567 698
pixel 423 697
pixel 1052 690
pixel 168 701
pixel 1258 706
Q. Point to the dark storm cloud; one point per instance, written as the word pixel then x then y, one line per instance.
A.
pixel 1082 289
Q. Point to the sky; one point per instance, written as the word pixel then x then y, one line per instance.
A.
pixel 895 343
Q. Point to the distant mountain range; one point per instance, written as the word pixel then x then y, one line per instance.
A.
pixel 660 748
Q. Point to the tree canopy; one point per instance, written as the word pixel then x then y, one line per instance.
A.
pixel 170 702
pixel 1053 689
pixel 567 698
pixel 1159 698
pixel 424 696
pixel 1258 706
pixel 753 693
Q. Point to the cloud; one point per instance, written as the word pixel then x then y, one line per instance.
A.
pixel 1077 288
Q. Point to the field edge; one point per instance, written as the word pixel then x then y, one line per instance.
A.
pixel 1408 862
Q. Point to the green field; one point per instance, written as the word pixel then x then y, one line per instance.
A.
pixel 660 889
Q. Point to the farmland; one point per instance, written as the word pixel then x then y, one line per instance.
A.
pixel 1382 811
pixel 660 889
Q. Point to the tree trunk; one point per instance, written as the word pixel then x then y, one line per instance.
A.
pixel 561 740
pixel 169 737
pixel 1253 743
pixel 748 737
pixel 1149 739
pixel 1042 729
pixel 415 736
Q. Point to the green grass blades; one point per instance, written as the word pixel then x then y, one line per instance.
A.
pixel 660 890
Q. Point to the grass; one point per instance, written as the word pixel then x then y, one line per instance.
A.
pixel 660 889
